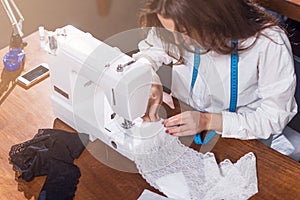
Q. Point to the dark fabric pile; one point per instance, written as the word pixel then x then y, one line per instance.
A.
pixel 50 152
pixel 293 29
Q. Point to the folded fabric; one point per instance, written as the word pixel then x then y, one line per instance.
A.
pixel 61 181
pixel 148 195
pixel 282 144
pixel 174 186
pixel 50 152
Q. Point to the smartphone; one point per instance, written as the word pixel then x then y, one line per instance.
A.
pixel 34 75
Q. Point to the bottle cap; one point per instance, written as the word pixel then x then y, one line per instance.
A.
pixel 13 59
pixel 41 31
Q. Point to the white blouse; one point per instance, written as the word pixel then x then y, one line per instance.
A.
pixel 266 83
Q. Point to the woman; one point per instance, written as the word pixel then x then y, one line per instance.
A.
pixel 211 40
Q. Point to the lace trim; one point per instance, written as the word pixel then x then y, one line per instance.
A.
pixel 204 177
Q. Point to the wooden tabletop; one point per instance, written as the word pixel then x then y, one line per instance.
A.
pixel 24 111
pixel 288 8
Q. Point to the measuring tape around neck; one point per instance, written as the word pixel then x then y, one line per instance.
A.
pixel 233 88
pixel 195 68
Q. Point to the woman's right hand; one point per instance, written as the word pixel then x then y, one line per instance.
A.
pixel 154 103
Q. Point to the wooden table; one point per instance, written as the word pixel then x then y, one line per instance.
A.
pixel 288 8
pixel 23 112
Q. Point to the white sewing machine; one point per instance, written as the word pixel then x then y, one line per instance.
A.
pixel 98 90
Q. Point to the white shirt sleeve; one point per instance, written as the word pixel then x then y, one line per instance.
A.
pixel 276 88
pixel 152 51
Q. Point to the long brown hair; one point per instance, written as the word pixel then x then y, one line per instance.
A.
pixel 215 22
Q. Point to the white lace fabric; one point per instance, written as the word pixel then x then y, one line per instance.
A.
pixel 183 173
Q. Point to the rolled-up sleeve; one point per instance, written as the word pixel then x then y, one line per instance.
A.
pixel 152 51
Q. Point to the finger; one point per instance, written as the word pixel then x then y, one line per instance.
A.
pixel 184 133
pixel 173 130
pixel 153 112
pixel 177 129
pixel 146 115
pixel 156 94
pixel 146 118
pixel 173 121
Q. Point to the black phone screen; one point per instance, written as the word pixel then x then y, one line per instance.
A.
pixel 35 73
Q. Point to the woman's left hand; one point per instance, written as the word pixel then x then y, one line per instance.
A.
pixel 187 123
